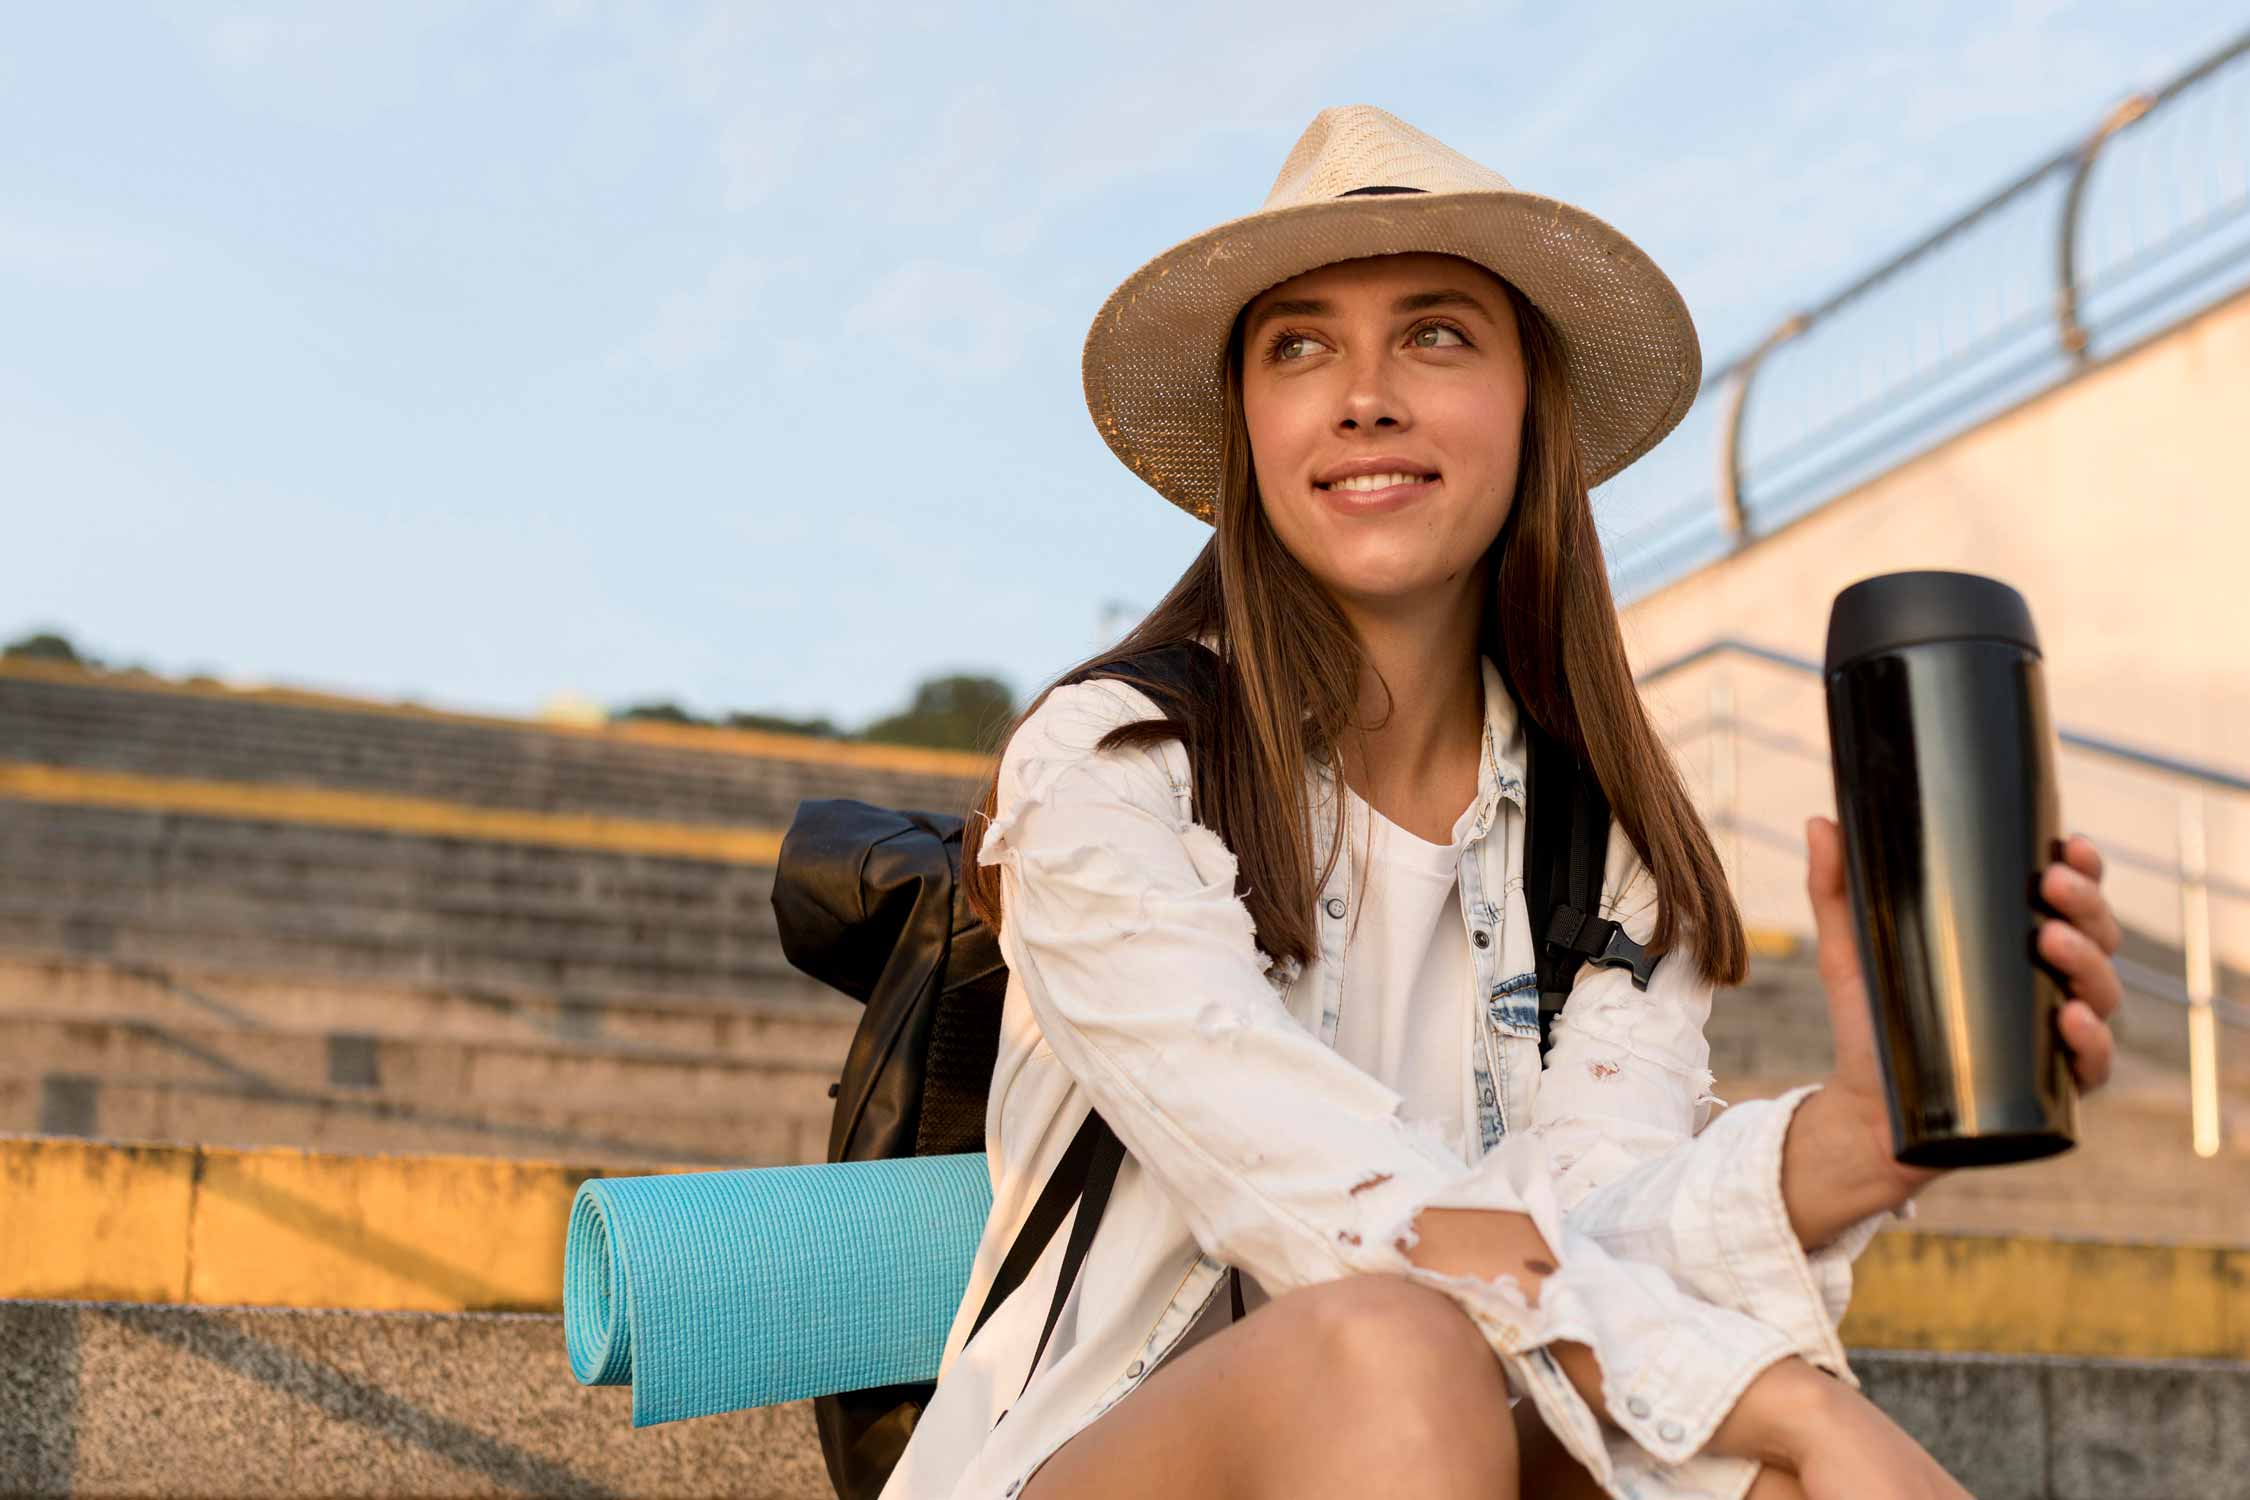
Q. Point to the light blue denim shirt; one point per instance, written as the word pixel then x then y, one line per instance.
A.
pixel 1136 987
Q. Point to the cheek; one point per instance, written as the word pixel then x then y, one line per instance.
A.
pixel 1280 446
pixel 1485 440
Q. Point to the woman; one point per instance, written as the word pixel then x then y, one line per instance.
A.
pixel 1278 938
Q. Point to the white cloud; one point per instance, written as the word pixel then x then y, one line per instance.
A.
pixel 704 322
pixel 956 320
pixel 958 162
pixel 244 42
pixel 759 153
pixel 68 255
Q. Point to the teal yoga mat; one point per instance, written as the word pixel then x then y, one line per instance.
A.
pixel 715 1291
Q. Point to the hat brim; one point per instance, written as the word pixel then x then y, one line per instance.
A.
pixel 1155 356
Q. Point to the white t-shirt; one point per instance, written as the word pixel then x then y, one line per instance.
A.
pixel 1407 971
pixel 1407 978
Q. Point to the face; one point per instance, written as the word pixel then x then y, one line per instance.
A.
pixel 1385 400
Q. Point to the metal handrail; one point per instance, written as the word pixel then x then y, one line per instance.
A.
pixel 1975 365
pixel 2157 985
pixel 2216 777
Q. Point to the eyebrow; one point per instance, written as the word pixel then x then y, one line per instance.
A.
pixel 1313 307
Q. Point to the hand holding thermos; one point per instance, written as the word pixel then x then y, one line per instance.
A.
pixel 1964 944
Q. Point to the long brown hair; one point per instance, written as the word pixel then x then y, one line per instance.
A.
pixel 1550 625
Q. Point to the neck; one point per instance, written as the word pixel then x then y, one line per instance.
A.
pixel 1421 751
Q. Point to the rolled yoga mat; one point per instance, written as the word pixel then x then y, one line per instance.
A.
pixel 715 1291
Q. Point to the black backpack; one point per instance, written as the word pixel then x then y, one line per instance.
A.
pixel 868 901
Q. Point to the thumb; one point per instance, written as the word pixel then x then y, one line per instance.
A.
pixel 1830 893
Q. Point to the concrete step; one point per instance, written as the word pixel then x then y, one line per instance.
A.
pixel 236 738
pixel 107 1399
pixel 1776 1026
pixel 234 1113
pixel 408 1070
pixel 371 957
pixel 87 853
pixel 152 887
pixel 790 1018
pixel 104 1399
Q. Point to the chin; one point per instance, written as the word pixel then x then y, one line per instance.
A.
pixel 1382 583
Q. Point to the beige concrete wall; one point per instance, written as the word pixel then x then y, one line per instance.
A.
pixel 2119 505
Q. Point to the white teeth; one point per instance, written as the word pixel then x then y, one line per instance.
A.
pixel 1376 481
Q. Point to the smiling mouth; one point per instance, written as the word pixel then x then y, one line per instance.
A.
pixel 1368 483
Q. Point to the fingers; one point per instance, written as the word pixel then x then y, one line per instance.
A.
pixel 2079 853
pixel 2078 897
pixel 2091 1045
pixel 2093 978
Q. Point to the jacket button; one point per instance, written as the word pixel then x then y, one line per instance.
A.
pixel 1671 1432
pixel 1135 1367
pixel 1637 1407
pixel 1335 906
pixel 1481 938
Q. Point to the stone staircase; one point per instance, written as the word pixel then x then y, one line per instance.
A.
pixel 253 981
pixel 108 1400
pixel 61 718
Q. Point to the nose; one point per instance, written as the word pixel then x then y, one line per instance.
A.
pixel 1371 399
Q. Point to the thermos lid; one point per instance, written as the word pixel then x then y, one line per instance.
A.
pixel 1893 610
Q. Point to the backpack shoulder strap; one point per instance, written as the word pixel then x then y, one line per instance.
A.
pixel 1088 1169
pixel 1184 669
pixel 1565 851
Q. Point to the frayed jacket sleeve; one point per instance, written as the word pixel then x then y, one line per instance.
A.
pixel 1140 967
pixel 1626 1090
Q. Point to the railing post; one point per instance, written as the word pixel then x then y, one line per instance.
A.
pixel 2073 333
pixel 2195 943
pixel 1732 515
pixel 1726 812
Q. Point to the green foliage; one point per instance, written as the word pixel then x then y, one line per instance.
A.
pixel 959 712
pixel 962 711
pixel 659 713
pixel 821 728
pixel 47 645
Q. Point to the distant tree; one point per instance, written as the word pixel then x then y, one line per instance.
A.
pixel 660 713
pixel 960 712
pixel 46 645
pixel 821 728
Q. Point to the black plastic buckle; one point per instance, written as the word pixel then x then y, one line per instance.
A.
pixel 1621 952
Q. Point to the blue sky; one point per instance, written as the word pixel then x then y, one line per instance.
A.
pixel 728 353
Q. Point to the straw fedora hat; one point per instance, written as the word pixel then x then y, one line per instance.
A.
pixel 1362 182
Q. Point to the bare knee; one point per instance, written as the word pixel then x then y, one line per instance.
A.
pixel 1387 1325
pixel 1369 1385
pixel 1412 1370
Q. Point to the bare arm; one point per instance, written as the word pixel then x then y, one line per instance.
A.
pixel 1777 1416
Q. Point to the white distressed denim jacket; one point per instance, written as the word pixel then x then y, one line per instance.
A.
pixel 1135 987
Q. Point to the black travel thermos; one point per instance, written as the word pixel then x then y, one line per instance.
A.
pixel 1945 787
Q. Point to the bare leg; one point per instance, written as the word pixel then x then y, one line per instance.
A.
pixel 1550 1473
pixel 1369 1385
